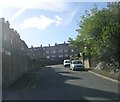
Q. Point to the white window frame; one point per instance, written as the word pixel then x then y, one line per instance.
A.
pixel 53 56
pixel 60 51
pixel 72 50
pixel 60 56
pixel 65 50
pixel 48 57
pixel 66 55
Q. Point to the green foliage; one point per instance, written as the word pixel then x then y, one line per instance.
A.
pixel 98 32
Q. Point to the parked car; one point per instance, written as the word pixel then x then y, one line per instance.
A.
pixel 66 63
pixel 76 65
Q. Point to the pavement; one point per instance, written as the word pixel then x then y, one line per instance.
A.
pixel 21 84
pixel 105 77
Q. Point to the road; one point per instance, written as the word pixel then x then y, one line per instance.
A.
pixel 60 83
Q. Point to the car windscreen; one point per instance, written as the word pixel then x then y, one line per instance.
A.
pixel 67 61
pixel 77 62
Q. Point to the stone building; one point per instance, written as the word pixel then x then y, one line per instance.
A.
pixel 35 52
pixel 54 54
pixel 14 54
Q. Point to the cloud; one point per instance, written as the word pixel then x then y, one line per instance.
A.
pixel 58 20
pixel 54 5
pixel 70 16
pixel 17 14
pixel 40 23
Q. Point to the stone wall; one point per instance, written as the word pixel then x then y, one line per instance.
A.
pixel 15 59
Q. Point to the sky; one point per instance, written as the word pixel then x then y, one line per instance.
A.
pixel 45 22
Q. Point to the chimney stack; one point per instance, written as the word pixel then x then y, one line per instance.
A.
pixel 41 45
pixel 55 44
pixel 2 19
pixel 8 24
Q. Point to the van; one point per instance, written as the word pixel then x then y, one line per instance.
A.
pixel 66 63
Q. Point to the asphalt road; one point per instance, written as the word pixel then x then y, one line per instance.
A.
pixel 60 83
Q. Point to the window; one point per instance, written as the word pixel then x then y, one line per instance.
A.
pixel 72 50
pixel 67 61
pixel 22 48
pixel 60 56
pixel 47 57
pixel 66 55
pixel 8 53
pixel 65 50
pixel 71 55
pixel 77 62
pixel 2 50
pixel 60 51
pixel 37 49
pixel 53 56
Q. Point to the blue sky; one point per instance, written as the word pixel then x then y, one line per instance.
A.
pixel 45 22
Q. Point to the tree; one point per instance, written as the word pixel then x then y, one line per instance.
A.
pixel 98 33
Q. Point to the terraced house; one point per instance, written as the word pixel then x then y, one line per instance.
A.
pixel 54 54
pixel 14 54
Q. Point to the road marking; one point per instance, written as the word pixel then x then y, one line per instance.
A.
pixel 30 82
pixel 35 76
pixel 113 80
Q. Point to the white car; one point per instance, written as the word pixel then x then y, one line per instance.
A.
pixel 66 63
pixel 76 65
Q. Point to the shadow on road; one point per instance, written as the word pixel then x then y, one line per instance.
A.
pixel 85 69
pixel 51 85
